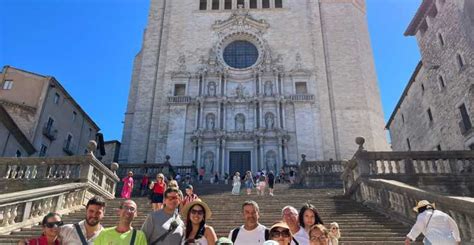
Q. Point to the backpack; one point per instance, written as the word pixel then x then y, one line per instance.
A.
pixel 235 233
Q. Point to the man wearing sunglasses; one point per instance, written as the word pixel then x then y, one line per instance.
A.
pixel 165 227
pixel 87 230
pixel 123 233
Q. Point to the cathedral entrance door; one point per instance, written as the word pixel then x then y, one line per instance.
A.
pixel 239 161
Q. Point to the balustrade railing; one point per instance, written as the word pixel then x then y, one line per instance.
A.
pixel 300 97
pixel 321 173
pixel 34 186
pixel 179 99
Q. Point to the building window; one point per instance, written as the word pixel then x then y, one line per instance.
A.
pixel 408 144
pixel 441 39
pixel 240 3
pixel 253 4
pixel 68 142
pixel 278 4
pixel 74 116
pixel 438 147
pixel 466 120
pixel 441 81
pixel 301 88
pixel 460 61
pixel 43 150
pixel 56 98
pixel 215 4
pixel 7 85
pixel 403 118
pixel 240 54
pixel 265 4
pixel 422 88
pixel 49 125
pixel 18 153
pixel 228 4
pixel 179 89
pixel 430 116
pixel 202 4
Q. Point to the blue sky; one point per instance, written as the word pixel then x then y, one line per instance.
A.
pixel 89 46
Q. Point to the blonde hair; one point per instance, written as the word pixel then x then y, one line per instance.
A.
pixel 334 238
pixel 320 228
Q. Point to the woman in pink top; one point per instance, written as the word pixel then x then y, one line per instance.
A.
pixel 127 186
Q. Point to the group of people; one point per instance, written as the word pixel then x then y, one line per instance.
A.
pixel 259 182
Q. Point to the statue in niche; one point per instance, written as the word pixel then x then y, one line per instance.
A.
pixel 211 89
pixel 210 122
pixel 269 121
pixel 240 123
pixel 268 88
pixel 208 162
pixel 270 161
pixel 239 91
pixel 182 62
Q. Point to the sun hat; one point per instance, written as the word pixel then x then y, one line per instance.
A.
pixel 188 206
pixel 422 203
pixel 281 224
pixel 271 242
pixel 224 241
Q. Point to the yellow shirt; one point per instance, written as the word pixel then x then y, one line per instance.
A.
pixel 110 236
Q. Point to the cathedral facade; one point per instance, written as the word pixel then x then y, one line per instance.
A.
pixel 235 85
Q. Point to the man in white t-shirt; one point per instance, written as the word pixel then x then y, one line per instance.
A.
pixel 290 216
pixel 252 232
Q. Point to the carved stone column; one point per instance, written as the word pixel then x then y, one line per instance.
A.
pixel 262 150
pixel 280 156
pixel 218 154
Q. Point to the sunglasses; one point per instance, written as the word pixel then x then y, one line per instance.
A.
pixel 198 212
pixel 54 224
pixel 283 233
pixel 130 209
pixel 335 228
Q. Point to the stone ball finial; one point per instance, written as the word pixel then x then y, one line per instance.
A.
pixel 167 157
pixel 114 167
pixel 303 156
pixel 91 146
pixel 360 141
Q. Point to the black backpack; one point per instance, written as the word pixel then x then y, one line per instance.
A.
pixel 235 233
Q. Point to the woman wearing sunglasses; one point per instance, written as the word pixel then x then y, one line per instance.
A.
pixel 197 232
pixel 280 232
pixel 51 224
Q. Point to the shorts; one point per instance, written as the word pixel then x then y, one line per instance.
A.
pixel 271 183
pixel 157 198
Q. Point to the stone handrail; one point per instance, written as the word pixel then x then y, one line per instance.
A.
pixel 151 169
pixel 300 97
pixel 27 208
pixel 179 99
pixel 396 199
pixel 321 173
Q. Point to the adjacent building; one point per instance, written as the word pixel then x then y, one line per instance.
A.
pixel 45 114
pixel 112 151
pixel 436 110
pixel 235 85
pixel 13 142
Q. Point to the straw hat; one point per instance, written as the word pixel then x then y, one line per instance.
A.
pixel 422 203
pixel 191 204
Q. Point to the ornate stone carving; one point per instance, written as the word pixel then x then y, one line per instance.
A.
pixel 240 122
pixel 211 89
pixel 269 120
pixel 210 121
pixel 268 88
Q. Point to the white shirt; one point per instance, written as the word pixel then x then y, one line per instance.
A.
pixel 69 234
pixel 441 229
pixel 252 237
pixel 302 237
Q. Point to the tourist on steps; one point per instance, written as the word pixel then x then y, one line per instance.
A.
pixel 87 230
pixel 319 235
pixel 165 227
pixel 236 184
pixel 158 188
pixel 123 233
pixel 249 183
pixel 271 182
pixel 190 196
pixel 309 216
pixel 144 184
pixel 334 233
pixel 280 232
pixel 290 216
pixel 127 186
pixel 197 231
pixel 252 232
pixel 436 226
pixel 262 184
pixel 51 224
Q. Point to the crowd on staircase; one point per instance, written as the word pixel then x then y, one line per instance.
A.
pixel 181 219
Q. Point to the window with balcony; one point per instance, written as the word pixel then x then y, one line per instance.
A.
pixel 67 147
pixel 215 4
pixel 265 4
pixel 300 88
pixel 179 89
pixel 43 150
pixel 7 85
pixel 48 130
pixel 228 4
pixel 278 4
pixel 253 4
pixel 202 4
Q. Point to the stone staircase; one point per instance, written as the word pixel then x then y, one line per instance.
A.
pixel 359 225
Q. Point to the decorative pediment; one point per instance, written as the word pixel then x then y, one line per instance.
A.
pixel 240 20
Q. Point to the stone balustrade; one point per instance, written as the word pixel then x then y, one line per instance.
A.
pixel 27 208
pixel 179 99
pixel 300 97
pixel 397 200
pixel 389 182
pixel 321 173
